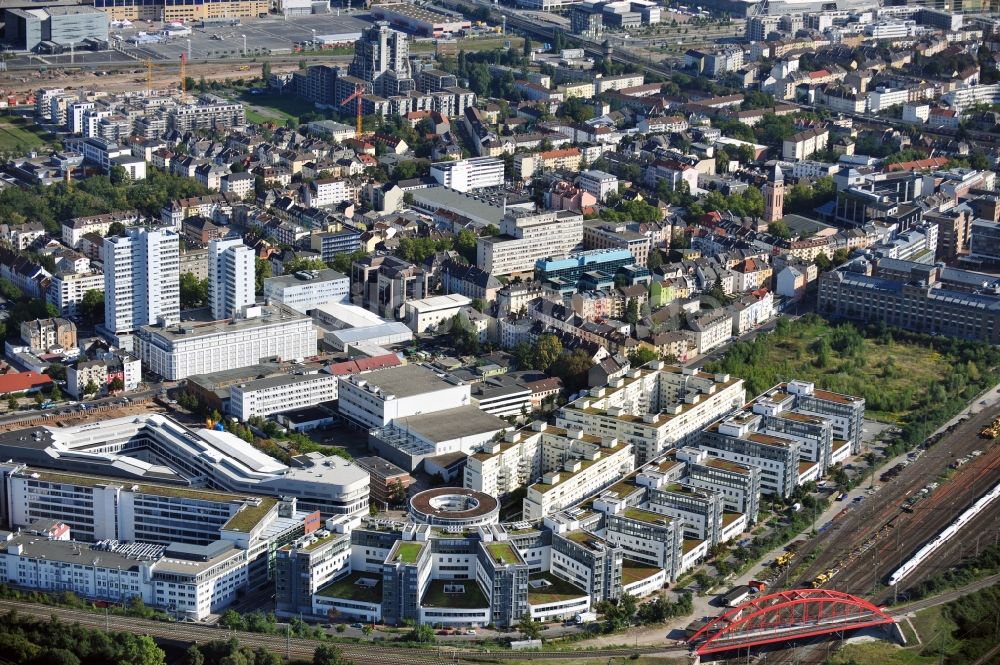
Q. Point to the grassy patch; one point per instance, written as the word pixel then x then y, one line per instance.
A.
pixel 20 135
pixel 583 660
pixel 276 108
pixel 502 552
pixel 883 653
pixel 904 377
pixel 931 622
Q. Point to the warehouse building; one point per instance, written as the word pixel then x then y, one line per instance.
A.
pixel 54 29
pixel 420 20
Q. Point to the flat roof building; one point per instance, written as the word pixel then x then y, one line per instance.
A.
pixel 259 333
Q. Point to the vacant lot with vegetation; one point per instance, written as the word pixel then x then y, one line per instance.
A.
pixel 19 135
pixel 909 379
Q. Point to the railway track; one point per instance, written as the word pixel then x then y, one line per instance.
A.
pixel 295 647
pixel 909 531
pixel 860 533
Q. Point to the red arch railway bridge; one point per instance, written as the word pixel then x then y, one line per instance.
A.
pixel 786 615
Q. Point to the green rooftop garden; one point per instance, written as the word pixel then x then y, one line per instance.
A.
pixel 556 590
pixel 250 516
pixel 408 552
pixel 633 571
pixel 470 598
pixel 502 552
pixel 349 589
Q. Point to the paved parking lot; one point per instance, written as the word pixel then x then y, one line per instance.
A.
pixel 263 36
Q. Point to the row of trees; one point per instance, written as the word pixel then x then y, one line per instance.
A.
pixel 96 195
pixel 29 641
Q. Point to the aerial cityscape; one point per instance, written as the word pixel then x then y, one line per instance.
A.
pixel 520 331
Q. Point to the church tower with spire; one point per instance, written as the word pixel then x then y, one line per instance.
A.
pixel 774 195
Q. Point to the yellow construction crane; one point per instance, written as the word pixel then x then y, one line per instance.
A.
pixel 357 96
pixel 149 76
pixel 183 76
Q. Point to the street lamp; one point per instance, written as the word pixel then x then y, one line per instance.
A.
pixel 244 45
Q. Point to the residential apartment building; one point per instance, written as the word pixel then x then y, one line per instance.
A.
pixel 654 408
pixel 45 334
pixel 231 277
pixel 141 269
pixel 67 289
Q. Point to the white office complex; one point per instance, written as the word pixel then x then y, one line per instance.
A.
pixel 188 581
pixel 231 275
pixel 430 313
pixel 275 394
pixel 269 331
pixel 141 279
pixel 654 408
pixel 524 239
pixel 376 399
pixel 154 449
pixel 464 175
pixel 306 290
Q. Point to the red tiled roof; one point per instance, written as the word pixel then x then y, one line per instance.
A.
pixel 17 383
pixel 364 364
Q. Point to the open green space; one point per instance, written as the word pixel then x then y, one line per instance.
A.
pixel 269 107
pixel 905 378
pixel 883 653
pixel 20 135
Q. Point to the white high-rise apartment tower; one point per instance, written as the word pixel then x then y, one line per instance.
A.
pixel 141 279
pixel 230 277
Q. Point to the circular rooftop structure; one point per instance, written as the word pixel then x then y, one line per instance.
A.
pixel 454 506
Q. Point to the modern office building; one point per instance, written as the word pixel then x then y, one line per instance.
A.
pixel 305 290
pixel 378 398
pixel 464 175
pixel 187 581
pixel 120 450
pixel 384 284
pixel 524 239
pixel 231 275
pixel 275 394
pixel 914 296
pixel 984 242
pixel 382 60
pixel 141 271
pixel 54 28
pixel 259 332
